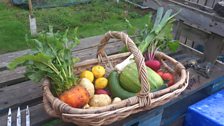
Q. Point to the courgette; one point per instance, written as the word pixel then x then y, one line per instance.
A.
pixel 129 79
pixel 115 88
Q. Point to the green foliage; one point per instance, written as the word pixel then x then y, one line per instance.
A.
pixel 53 122
pixel 13 28
pixel 51 56
pixel 94 18
pixel 158 34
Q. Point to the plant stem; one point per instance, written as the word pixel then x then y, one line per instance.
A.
pixel 55 70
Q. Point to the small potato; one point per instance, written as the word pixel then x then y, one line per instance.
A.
pixel 86 106
pixel 116 99
pixel 100 100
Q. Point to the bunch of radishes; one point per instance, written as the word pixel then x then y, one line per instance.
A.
pixel 155 64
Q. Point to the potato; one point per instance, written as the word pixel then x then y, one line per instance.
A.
pixel 86 106
pixel 100 100
pixel 116 99
pixel 88 85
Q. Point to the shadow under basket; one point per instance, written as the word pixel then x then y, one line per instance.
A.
pixel 144 100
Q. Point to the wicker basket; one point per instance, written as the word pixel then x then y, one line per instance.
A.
pixel 144 100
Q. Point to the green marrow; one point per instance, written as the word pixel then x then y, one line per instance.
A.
pixel 129 79
pixel 115 88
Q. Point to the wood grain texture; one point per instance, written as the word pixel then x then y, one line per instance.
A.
pixel 216 1
pixel 145 118
pixel 209 3
pixel 38 116
pixel 84 43
pixel 17 95
pixel 5 58
pixel 201 2
pixel 194 15
pixel 11 77
pixel 213 47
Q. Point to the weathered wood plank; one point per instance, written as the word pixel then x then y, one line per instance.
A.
pixel 180 107
pixel 203 19
pixel 177 29
pixel 88 53
pixel 198 6
pixel 18 95
pixel 10 77
pixel 189 42
pixel 37 115
pixel 194 34
pixel 209 3
pixel 201 2
pixel 84 44
pixel 5 58
pixel 213 47
pixel 194 1
pixel 215 2
pixel 178 122
pixel 146 118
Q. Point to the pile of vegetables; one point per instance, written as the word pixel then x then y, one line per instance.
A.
pixel 100 96
pixel 51 57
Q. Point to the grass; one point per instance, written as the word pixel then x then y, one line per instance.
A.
pixel 92 19
pixel 12 30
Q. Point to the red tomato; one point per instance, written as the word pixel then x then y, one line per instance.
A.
pixel 169 78
pixel 160 73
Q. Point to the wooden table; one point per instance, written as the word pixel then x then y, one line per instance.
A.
pixel 16 90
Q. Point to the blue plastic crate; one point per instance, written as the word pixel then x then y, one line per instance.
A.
pixel 208 112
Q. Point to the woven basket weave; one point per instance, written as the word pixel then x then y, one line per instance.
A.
pixel 144 100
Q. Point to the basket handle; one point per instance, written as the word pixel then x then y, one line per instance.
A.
pixel 143 95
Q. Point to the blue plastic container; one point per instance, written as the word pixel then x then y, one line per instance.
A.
pixel 208 112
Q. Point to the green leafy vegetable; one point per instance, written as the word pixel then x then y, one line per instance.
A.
pixel 160 32
pixel 50 56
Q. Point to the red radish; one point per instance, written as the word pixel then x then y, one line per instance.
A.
pixel 168 77
pixel 101 91
pixel 152 62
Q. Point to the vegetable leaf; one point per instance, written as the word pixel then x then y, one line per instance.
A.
pixel 51 56
pixel 173 45
pixel 159 34
pixel 40 57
